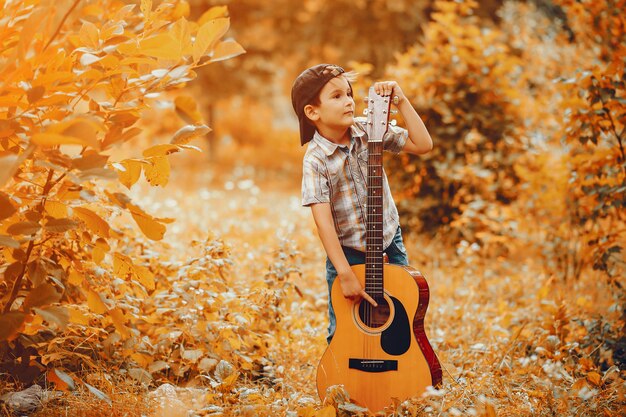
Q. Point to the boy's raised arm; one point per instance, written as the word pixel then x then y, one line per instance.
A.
pixel 419 141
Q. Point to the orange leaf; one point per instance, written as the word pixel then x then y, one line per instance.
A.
pixel 54 314
pixel 595 378
pixel 163 46
pixel 124 268
pixel 8 166
pixel 7 209
pixel 10 324
pixel 157 170
pixel 119 321
pixel 208 35
pixel 63 381
pixel 42 295
pixel 187 109
pixel 129 171
pixel 23 228
pixel 95 303
pixel 185 134
pixel 328 411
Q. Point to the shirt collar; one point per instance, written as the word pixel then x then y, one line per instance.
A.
pixel 330 147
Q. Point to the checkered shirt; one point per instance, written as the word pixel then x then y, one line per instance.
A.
pixel 337 174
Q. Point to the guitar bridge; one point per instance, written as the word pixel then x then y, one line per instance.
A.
pixel 373 365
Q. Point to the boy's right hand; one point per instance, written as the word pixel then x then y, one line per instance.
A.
pixel 352 289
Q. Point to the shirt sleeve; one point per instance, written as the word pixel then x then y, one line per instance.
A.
pixel 314 183
pixel 395 139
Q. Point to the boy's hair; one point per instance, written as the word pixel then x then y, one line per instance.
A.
pixel 306 89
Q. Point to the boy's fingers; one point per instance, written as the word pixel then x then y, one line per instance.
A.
pixel 368 298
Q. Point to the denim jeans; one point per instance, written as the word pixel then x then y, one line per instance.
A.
pixel 396 252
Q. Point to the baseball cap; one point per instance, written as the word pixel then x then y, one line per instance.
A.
pixel 305 88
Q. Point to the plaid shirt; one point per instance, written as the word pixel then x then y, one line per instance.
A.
pixel 337 174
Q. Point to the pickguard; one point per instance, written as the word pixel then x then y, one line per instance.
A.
pixel 396 339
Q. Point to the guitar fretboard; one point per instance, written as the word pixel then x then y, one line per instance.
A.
pixel 374 237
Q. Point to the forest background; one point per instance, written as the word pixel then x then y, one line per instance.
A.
pixel 156 261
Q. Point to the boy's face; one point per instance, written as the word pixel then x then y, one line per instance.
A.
pixel 336 108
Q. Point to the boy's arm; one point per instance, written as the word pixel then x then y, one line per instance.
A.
pixel 419 141
pixel 350 285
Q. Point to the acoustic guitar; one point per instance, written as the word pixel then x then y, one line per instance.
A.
pixel 380 353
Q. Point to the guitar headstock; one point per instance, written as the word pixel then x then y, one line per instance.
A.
pixel 378 110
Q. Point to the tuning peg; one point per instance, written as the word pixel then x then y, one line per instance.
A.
pixel 365 111
pixel 393 122
pixel 394 111
pixel 396 100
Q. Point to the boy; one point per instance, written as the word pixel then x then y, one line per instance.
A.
pixel 335 171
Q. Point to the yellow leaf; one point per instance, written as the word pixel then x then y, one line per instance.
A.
pixel 34 326
pixel 328 411
pixel 161 150
pixel 94 222
pixel 54 139
pixel 89 35
pixel 97 255
pixel 228 382
pixel 307 412
pixel 142 359
pixel 95 303
pixel 100 250
pixel 163 46
pixel 119 321
pixel 181 31
pixel 187 109
pixel 77 316
pixel 75 278
pixel 226 50
pixel 146 8
pixel 213 13
pixel 157 170
pixel 124 268
pixel 56 209
pixel 208 35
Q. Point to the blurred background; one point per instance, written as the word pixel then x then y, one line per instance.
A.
pixel 504 87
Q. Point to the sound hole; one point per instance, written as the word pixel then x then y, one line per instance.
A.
pixel 374 317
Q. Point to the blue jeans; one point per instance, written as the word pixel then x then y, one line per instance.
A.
pixel 396 253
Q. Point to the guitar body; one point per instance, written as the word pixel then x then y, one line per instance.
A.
pixel 389 358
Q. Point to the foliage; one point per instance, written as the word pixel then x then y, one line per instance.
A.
pixel 594 130
pixel 527 166
pixel 464 80
pixel 75 80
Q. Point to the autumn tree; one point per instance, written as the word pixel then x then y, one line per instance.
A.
pixel 75 78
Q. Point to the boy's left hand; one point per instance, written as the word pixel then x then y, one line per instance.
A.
pixel 389 88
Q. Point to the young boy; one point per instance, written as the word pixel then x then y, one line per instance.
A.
pixel 335 171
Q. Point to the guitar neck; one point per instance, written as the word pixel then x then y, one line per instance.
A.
pixel 374 237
